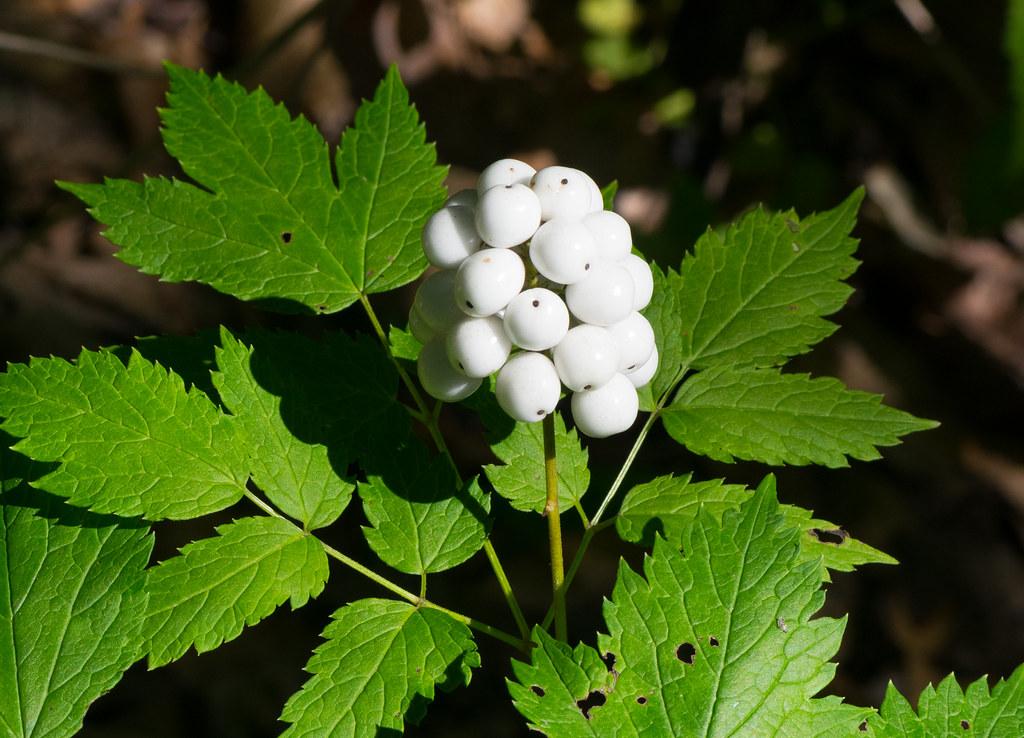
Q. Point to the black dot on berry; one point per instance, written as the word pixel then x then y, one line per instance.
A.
pixel 588 386
pixel 536 303
pixel 286 236
pixel 586 267
pixel 631 367
pixel 469 304
pixel 565 181
pixel 541 413
pixel 462 367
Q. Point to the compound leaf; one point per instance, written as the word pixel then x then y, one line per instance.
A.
pixel 763 415
pixel 131 440
pixel 949 712
pixel 219 585
pixel 295 474
pixel 667 507
pixel 521 481
pixel 378 669
pixel 71 605
pixel 715 641
pixel 420 520
pixel 271 223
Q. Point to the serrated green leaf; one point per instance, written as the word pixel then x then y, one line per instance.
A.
pixel 71 605
pixel 297 476
pixel 404 345
pixel 271 223
pixel 217 586
pixel 948 712
pixel 130 439
pixel 420 521
pixel 763 415
pixel 608 193
pixel 521 479
pixel 663 314
pixel 716 641
pixel 755 294
pixel 378 669
pixel 668 506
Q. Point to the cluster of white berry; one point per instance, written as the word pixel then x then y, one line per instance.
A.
pixel 576 323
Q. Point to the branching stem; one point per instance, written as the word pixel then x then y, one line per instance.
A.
pixel 554 528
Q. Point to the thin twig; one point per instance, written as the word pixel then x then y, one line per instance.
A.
pixel 554 528
pixel 47 49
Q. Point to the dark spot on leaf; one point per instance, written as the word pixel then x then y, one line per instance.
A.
pixel 594 699
pixel 286 236
pixel 792 225
pixel 536 303
pixel 793 308
pixel 965 725
pixel 641 700
pixel 863 727
pixel 835 536
pixel 686 652
pixel 609 661
pixel 539 691
pixel 713 641
pixel 565 181
pixel 369 273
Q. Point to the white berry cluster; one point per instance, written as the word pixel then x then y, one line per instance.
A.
pixel 537 283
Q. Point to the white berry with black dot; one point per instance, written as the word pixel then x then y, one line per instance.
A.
pixel 635 339
pixel 586 358
pixel 607 410
pixel 644 374
pixel 612 236
pixel 527 387
pixel 478 346
pixel 504 172
pixel 435 301
pixel 439 378
pixel 563 250
pixel 507 215
pixel 643 280
pixel 449 236
pixel 487 281
pixel 536 319
pixel 605 296
pixel 563 192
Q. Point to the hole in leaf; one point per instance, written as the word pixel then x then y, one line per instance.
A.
pixel 537 690
pixel 286 236
pixel 834 536
pixel 536 303
pixel 609 661
pixel 594 699
pixel 713 641
pixel 863 727
pixel 686 652
pixel 641 700
pixel 965 725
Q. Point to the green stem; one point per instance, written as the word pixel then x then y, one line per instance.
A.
pixel 575 565
pixel 423 585
pixel 430 418
pixel 554 528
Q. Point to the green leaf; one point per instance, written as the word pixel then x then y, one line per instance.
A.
pixel 521 479
pixel 755 294
pixel 271 223
pixel 217 586
pixel 608 193
pixel 71 605
pixel 297 476
pixel 948 712
pixel 763 415
pixel 420 521
pixel 131 440
pixel 404 345
pixel 668 506
pixel 378 669
pixel 716 641
pixel 663 314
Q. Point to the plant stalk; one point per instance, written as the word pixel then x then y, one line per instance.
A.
pixel 554 528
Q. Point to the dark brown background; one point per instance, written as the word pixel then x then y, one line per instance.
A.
pixel 793 104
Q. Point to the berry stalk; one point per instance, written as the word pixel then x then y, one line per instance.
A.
pixel 554 528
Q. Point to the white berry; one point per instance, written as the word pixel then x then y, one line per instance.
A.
pixel 536 319
pixel 450 236
pixel 635 339
pixel 504 172
pixel 586 358
pixel 643 280
pixel 563 250
pixel 463 198
pixel 645 373
pixel 419 327
pixel 439 378
pixel 611 233
pixel 527 387
pixel 607 410
pixel 478 346
pixel 507 215
pixel 563 192
pixel 605 296
pixel 596 198
pixel 487 281
pixel 435 301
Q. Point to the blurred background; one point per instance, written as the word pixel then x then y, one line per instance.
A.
pixel 699 109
